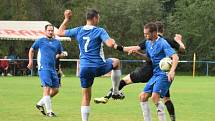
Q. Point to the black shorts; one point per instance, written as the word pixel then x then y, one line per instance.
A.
pixel 59 75
pixel 167 94
pixel 142 74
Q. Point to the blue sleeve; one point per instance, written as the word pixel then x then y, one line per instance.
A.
pixel 104 35
pixel 71 32
pixel 60 49
pixel 168 50
pixel 36 44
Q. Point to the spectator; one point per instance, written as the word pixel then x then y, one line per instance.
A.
pixel 4 65
pixel 22 64
pixel 11 53
pixel 12 62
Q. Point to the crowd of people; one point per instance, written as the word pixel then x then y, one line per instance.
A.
pixel 13 65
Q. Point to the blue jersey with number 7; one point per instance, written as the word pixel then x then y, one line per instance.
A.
pixel 90 40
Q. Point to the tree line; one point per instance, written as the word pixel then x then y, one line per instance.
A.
pixel 124 20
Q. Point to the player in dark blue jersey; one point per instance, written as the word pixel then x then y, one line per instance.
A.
pixel 48 47
pixel 92 61
pixel 143 73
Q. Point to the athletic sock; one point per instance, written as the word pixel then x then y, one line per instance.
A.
pixel 41 102
pixel 121 85
pixel 47 102
pixel 85 111
pixel 115 77
pixel 160 111
pixel 109 94
pixel 170 109
pixel 146 111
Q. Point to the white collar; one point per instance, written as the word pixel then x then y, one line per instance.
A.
pixel 88 27
pixel 157 39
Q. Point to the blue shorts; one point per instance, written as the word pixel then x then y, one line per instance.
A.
pixel 87 74
pixel 49 78
pixel 158 84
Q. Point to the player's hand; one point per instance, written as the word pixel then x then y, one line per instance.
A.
pixel 30 65
pixel 65 53
pixel 131 51
pixel 57 56
pixel 178 38
pixel 171 76
pixel 68 14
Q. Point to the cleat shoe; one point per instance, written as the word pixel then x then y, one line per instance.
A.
pixel 41 109
pixel 101 100
pixel 119 96
pixel 51 114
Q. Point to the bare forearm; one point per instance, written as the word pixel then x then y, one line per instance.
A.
pixel 31 55
pixel 175 59
pixel 63 27
pixel 128 48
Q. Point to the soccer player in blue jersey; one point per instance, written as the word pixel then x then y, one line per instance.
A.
pixel 143 73
pixel 48 47
pixel 92 62
pixel 156 49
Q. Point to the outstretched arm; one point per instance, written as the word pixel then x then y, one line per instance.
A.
pixel 111 43
pixel 63 26
pixel 129 49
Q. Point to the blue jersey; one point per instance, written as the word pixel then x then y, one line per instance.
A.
pixel 90 40
pixel 47 51
pixel 157 51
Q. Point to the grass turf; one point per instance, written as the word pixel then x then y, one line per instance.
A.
pixel 193 99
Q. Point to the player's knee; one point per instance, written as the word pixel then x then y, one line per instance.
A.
pixel 54 92
pixel 165 99
pixel 155 98
pixel 116 63
pixel 143 97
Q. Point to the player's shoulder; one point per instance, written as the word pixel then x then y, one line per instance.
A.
pixel 95 29
pixel 162 40
pixel 78 28
pixel 56 38
pixel 41 38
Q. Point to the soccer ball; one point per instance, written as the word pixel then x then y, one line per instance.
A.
pixel 165 64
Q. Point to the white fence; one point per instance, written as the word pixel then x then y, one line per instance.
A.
pixel 13 63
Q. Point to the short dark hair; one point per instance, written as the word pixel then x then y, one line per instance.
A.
pixel 151 26
pixel 46 26
pixel 91 13
pixel 160 26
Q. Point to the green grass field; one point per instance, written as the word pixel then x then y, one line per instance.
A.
pixel 193 98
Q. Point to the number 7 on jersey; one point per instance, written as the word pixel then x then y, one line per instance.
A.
pixel 86 43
